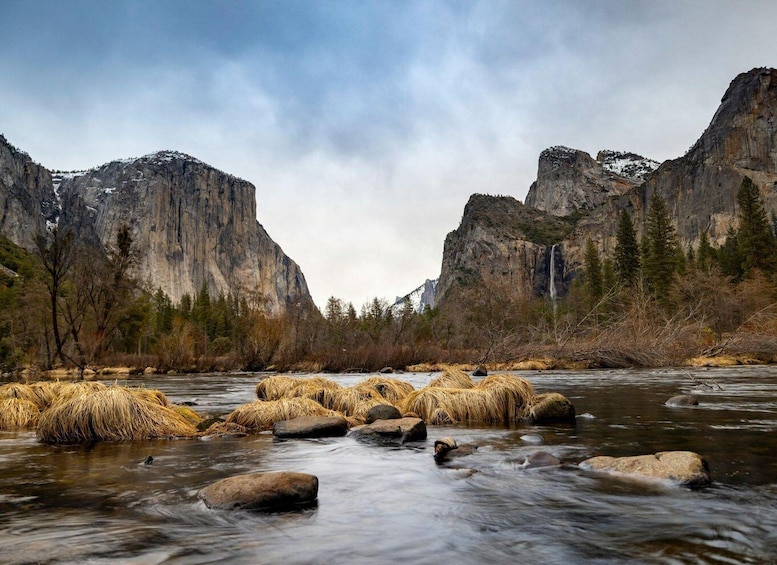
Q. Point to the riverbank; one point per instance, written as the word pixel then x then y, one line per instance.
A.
pixel 31 374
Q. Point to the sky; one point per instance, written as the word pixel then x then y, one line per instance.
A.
pixel 366 125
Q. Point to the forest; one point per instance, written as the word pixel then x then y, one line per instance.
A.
pixel 652 303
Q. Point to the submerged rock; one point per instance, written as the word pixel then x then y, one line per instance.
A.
pixel 311 426
pixel 404 429
pixel 683 467
pixel 262 491
pixel 480 371
pixel 382 412
pixel 682 400
pixel 541 459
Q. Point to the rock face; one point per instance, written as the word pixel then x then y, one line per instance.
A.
pixel 681 467
pixel 569 180
pixel 500 243
pixel 192 225
pixel 701 187
pixel 27 198
pixel 262 491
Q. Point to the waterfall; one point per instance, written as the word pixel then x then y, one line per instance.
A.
pixel 552 284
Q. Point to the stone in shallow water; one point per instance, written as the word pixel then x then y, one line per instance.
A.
pixel 683 467
pixel 382 412
pixel 262 491
pixel 310 426
pixel 682 400
pixel 403 429
pixel 541 459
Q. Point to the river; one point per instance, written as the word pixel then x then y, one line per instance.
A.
pixel 381 504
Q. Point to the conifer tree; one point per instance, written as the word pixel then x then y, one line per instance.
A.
pixel 755 239
pixel 593 271
pixel 627 255
pixel 609 279
pixel 705 254
pixel 662 251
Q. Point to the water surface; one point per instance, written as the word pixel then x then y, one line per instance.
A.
pixel 389 504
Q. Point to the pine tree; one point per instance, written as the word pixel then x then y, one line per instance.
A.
pixel 608 274
pixel 593 271
pixel 627 255
pixel 705 256
pixel 662 251
pixel 755 239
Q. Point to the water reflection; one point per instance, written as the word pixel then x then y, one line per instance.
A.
pixel 101 504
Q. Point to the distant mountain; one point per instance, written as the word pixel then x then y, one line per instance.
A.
pixel 502 242
pixel 421 297
pixel 191 224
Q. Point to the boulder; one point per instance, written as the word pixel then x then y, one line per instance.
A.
pixel 262 491
pixel 311 426
pixel 382 412
pixel 682 400
pixel 404 429
pixel 550 407
pixel 682 467
pixel 386 370
pixel 480 371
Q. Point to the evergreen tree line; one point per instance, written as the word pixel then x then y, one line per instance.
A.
pixel 718 290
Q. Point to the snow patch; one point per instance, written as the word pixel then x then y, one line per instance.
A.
pixel 420 298
pixel 629 165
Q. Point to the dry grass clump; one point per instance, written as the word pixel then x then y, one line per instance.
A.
pixel 496 399
pixel 151 395
pixel 438 406
pixel 452 377
pixel 273 388
pixel 188 414
pixel 22 392
pixel 18 413
pixel 224 429
pixel 392 390
pixel 112 414
pixel 550 406
pixel 513 393
pixel 277 387
pixel 262 414
pixel 68 391
pixel 46 391
pixel 355 401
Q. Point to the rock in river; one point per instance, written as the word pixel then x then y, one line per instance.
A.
pixel 404 429
pixel 311 426
pixel 682 400
pixel 262 491
pixel 683 467
pixel 382 412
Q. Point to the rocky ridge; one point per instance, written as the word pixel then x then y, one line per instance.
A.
pixel 700 190
pixel 192 224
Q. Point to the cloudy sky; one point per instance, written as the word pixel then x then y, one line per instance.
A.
pixel 366 125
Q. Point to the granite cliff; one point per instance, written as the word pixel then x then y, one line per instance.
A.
pixel 27 198
pixel 700 190
pixel 191 224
